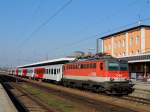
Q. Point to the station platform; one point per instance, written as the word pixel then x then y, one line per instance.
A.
pixel 6 104
pixel 142 85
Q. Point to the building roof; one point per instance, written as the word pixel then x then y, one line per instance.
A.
pixel 145 57
pixel 48 62
pixel 126 30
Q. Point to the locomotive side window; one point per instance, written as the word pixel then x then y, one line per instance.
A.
pixel 94 65
pixel 123 66
pixel 101 66
pixel 88 66
pixel 91 65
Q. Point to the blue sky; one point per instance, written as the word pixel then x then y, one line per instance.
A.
pixel 75 28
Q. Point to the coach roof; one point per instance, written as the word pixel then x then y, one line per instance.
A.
pixel 48 62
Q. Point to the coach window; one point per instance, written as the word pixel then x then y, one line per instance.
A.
pixel 54 71
pixel 48 71
pixel 101 66
pixel 57 71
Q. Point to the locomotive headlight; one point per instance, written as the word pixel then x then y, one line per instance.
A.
pixel 111 79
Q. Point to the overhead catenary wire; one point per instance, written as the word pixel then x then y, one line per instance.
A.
pixel 98 35
pixel 92 36
pixel 45 23
pixel 95 35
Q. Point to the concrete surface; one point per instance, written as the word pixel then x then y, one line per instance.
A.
pixel 142 85
pixel 6 104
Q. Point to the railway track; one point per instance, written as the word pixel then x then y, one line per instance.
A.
pixel 137 100
pixel 22 98
pixel 94 99
pixel 44 106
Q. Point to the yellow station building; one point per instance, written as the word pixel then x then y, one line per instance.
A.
pixel 133 45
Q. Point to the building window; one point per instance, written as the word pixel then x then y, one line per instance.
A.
pixel 138 51
pixel 131 41
pixel 132 52
pixel 105 49
pixel 115 46
pixel 109 47
pixel 118 44
pixel 123 43
pixel 123 53
pixel 137 39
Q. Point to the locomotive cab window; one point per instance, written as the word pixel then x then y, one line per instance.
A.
pixel 113 66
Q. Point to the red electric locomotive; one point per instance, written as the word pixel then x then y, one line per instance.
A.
pixel 105 74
